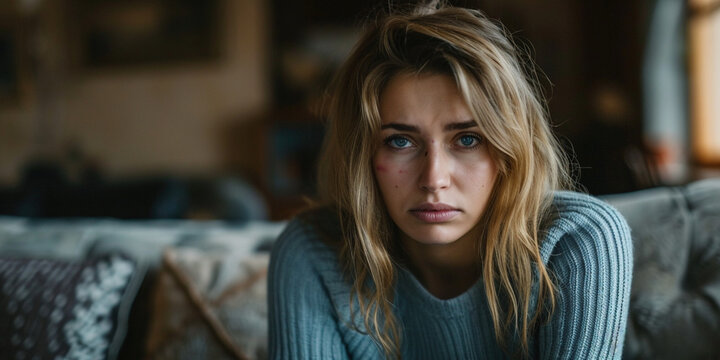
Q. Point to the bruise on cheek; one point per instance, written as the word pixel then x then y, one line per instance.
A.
pixel 380 168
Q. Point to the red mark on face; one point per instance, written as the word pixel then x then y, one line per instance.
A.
pixel 380 168
pixel 401 172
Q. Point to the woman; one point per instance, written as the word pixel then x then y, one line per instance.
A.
pixel 445 235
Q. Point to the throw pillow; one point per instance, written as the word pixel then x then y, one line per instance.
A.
pixel 210 303
pixel 52 309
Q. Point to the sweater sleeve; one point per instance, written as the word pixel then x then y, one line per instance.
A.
pixel 302 320
pixel 591 263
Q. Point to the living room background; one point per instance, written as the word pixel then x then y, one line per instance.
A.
pixel 191 92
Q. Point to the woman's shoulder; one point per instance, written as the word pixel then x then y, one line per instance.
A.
pixel 588 251
pixel 306 255
pixel 317 225
pixel 308 241
pixel 566 202
pixel 586 223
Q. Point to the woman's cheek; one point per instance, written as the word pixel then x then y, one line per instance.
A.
pixel 483 173
pixel 388 173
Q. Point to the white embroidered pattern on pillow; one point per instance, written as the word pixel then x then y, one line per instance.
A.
pixel 98 293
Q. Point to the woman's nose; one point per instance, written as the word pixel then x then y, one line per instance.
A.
pixel 435 175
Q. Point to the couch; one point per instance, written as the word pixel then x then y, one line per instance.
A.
pixel 178 289
pixel 158 289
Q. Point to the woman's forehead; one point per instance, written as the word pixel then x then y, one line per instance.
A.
pixel 422 99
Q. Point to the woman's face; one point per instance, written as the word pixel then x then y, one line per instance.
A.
pixel 432 163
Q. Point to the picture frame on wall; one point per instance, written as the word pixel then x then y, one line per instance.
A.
pixel 145 32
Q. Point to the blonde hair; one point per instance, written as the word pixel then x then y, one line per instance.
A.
pixel 502 93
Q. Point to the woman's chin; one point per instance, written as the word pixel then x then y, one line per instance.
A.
pixel 433 236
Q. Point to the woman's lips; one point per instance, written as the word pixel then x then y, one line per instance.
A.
pixel 435 213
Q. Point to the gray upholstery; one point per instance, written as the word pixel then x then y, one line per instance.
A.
pixel 675 301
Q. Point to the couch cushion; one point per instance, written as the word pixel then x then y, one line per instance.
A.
pixel 697 314
pixel 60 309
pixel 674 305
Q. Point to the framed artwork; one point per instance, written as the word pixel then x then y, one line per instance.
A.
pixel 140 32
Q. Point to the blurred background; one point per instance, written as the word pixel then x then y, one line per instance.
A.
pixel 201 109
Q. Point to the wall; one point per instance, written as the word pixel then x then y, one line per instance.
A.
pixel 145 120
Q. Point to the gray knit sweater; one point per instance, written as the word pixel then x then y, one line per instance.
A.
pixel 587 249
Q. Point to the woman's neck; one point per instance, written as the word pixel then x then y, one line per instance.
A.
pixel 446 270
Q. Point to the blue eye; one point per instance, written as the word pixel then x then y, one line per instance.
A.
pixel 469 141
pixel 398 142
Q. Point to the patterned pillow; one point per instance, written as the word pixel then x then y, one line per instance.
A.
pixel 209 304
pixel 51 309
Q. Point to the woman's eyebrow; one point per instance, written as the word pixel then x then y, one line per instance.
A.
pixel 461 125
pixel 400 127
pixel 449 127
